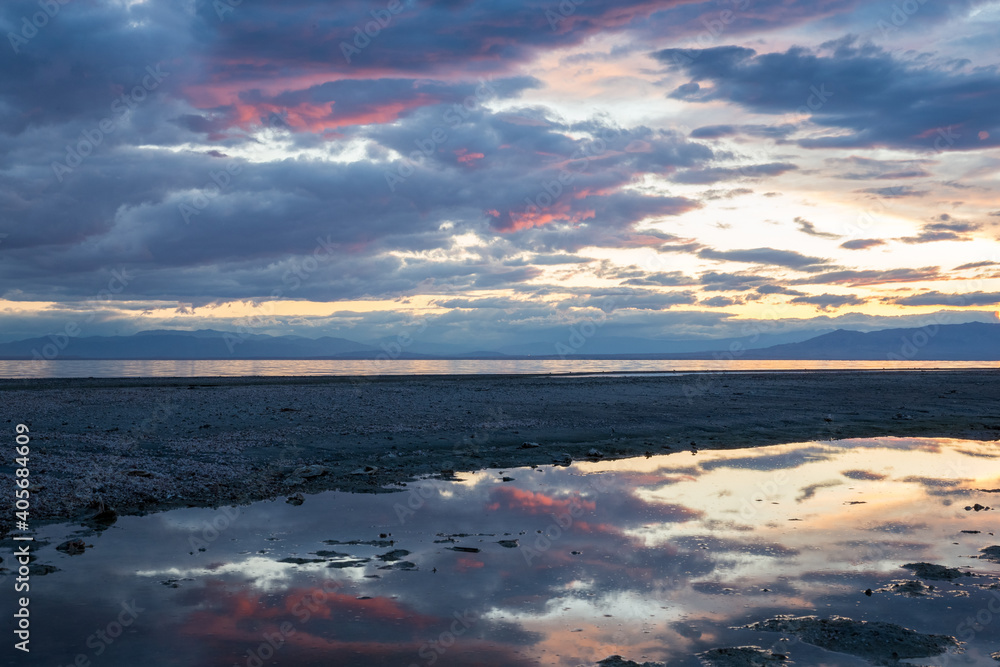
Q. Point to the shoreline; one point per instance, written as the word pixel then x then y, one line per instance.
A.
pixel 141 445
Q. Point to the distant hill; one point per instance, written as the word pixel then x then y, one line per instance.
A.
pixel 973 341
pixel 173 344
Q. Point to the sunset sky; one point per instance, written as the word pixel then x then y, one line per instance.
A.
pixel 497 171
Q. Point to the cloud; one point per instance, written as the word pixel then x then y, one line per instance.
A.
pixel 717 174
pixel 976 265
pixel 862 244
pixel 939 299
pixel 945 228
pixel 767 256
pixel 765 131
pixel 830 301
pixel 895 192
pixel 778 289
pixel 809 228
pixel 719 302
pixel 866 169
pixel 873 97
pixel 855 278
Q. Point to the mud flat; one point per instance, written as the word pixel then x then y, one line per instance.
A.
pixel 141 445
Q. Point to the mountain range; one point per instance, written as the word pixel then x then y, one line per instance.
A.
pixel 969 341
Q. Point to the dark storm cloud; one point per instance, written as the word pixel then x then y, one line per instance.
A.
pixel 530 183
pixel 878 98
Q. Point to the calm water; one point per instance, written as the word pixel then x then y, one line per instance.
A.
pixel 228 368
pixel 653 559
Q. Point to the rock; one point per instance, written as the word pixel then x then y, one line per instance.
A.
pixel 366 470
pixel 506 479
pixel 935 572
pixel 341 564
pixel 529 445
pixel 400 565
pixel 911 588
pixel 878 642
pixel 618 661
pixel 468 550
pixel 742 656
pixel 101 515
pixel 294 560
pixel 295 499
pixel 508 544
pixel 595 453
pixel 991 553
pixel 306 472
pixel 394 555
pixel 72 547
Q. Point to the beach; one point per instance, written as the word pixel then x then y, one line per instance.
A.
pixel 134 446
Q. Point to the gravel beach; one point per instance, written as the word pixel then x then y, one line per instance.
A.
pixel 143 445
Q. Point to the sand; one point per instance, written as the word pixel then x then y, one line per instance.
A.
pixel 142 445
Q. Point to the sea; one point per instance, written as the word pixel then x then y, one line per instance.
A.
pixel 113 368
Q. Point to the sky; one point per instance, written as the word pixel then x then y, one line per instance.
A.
pixel 495 171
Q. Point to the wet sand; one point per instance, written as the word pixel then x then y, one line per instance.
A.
pixel 142 445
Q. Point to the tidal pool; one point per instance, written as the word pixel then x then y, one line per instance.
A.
pixel 657 559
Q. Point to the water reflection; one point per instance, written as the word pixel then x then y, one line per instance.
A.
pixel 112 368
pixel 653 559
